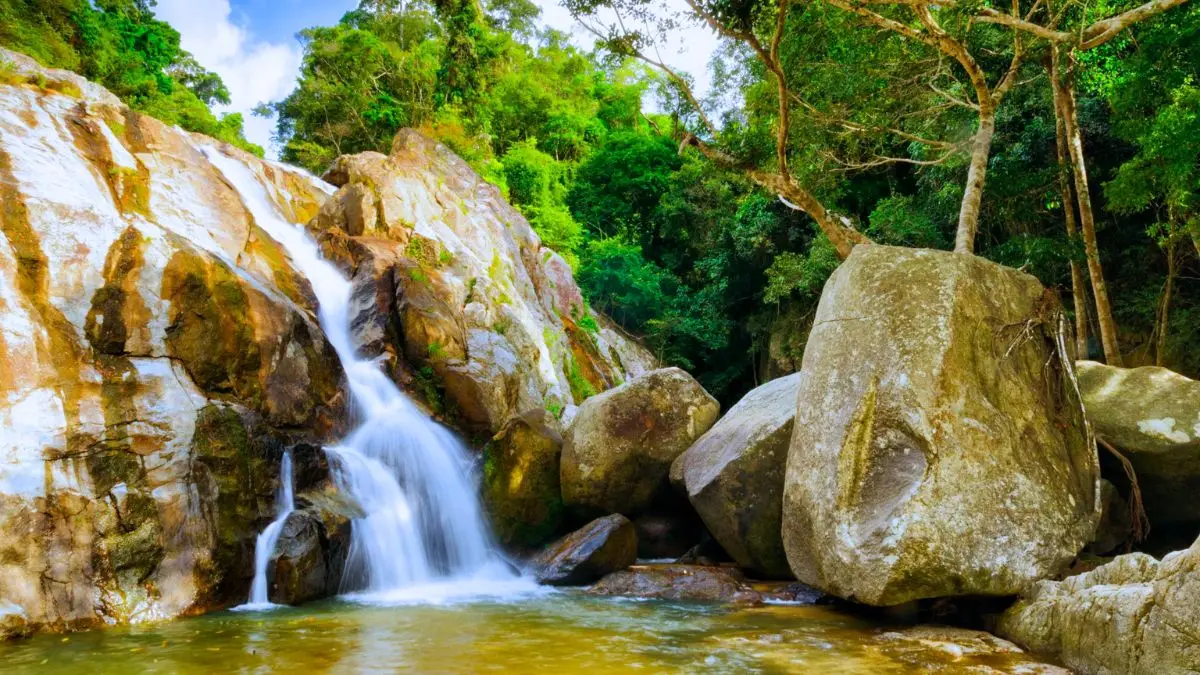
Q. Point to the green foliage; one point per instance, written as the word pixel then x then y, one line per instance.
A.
pixel 120 45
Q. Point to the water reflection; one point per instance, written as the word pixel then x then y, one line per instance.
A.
pixel 559 633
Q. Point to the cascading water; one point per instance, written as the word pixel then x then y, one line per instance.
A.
pixel 265 545
pixel 423 535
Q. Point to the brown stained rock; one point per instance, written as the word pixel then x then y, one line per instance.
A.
pixel 733 476
pixel 144 302
pixel 621 443
pixel 939 445
pixel 477 300
pixel 521 490
pixel 309 557
pixel 601 547
pixel 680 583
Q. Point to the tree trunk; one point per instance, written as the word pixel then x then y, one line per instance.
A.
pixel 1078 292
pixel 981 150
pixel 1064 93
pixel 1164 308
pixel 838 228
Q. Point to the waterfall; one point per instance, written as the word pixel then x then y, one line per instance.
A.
pixel 423 534
pixel 265 546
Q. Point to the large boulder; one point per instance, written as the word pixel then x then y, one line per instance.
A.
pixel 447 275
pixel 601 547
pixel 158 351
pixel 733 476
pixel 939 446
pixel 1134 615
pixel 621 444
pixel 1153 415
pixel 521 491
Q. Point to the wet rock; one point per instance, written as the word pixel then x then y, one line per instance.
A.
pixel 1134 615
pixel 707 552
pixel 1153 416
pixel 621 444
pixel 521 490
pixel 455 281
pixel 679 582
pixel 733 476
pixel 602 546
pixel 939 448
pixel 785 592
pixel 14 623
pixel 666 536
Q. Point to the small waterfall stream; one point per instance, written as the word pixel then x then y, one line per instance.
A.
pixel 265 546
pixel 423 536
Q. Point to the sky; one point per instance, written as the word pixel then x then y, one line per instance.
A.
pixel 251 44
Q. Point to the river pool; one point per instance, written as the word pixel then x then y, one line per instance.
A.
pixel 552 632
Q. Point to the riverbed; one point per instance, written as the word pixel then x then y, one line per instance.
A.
pixel 553 632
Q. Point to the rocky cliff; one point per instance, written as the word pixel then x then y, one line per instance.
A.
pixel 158 350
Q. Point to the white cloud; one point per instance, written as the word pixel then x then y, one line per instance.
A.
pixel 254 71
pixel 689 50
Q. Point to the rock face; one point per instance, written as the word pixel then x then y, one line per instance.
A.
pixel 939 447
pixel 1153 416
pixel 602 546
pixel 1134 615
pixel 521 489
pixel 621 444
pixel 159 351
pixel 454 281
pixel 733 476
pixel 157 354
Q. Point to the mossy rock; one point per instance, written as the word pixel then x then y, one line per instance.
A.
pixel 521 489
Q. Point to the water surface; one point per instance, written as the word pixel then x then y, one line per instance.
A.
pixel 555 633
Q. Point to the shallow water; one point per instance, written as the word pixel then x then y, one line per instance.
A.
pixel 555 632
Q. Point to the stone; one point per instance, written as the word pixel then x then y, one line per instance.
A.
pixel 620 447
pixel 733 476
pixel 521 491
pixel 309 558
pixel 958 650
pixel 14 624
pixel 603 546
pixel 679 583
pixel 1153 416
pixel 453 279
pixel 939 446
pixel 158 351
pixel 1135 615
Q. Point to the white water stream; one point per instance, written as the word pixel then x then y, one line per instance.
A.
pixel 270 536
pixel 423 537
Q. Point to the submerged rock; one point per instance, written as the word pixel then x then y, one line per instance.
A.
pixel 1134 615
pixel 602 546
pixel 734 475
pixel 940 447
pixel 521 491
pixel 947 649
pixel 679 582
pixel 1153 416
pixel 621 444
